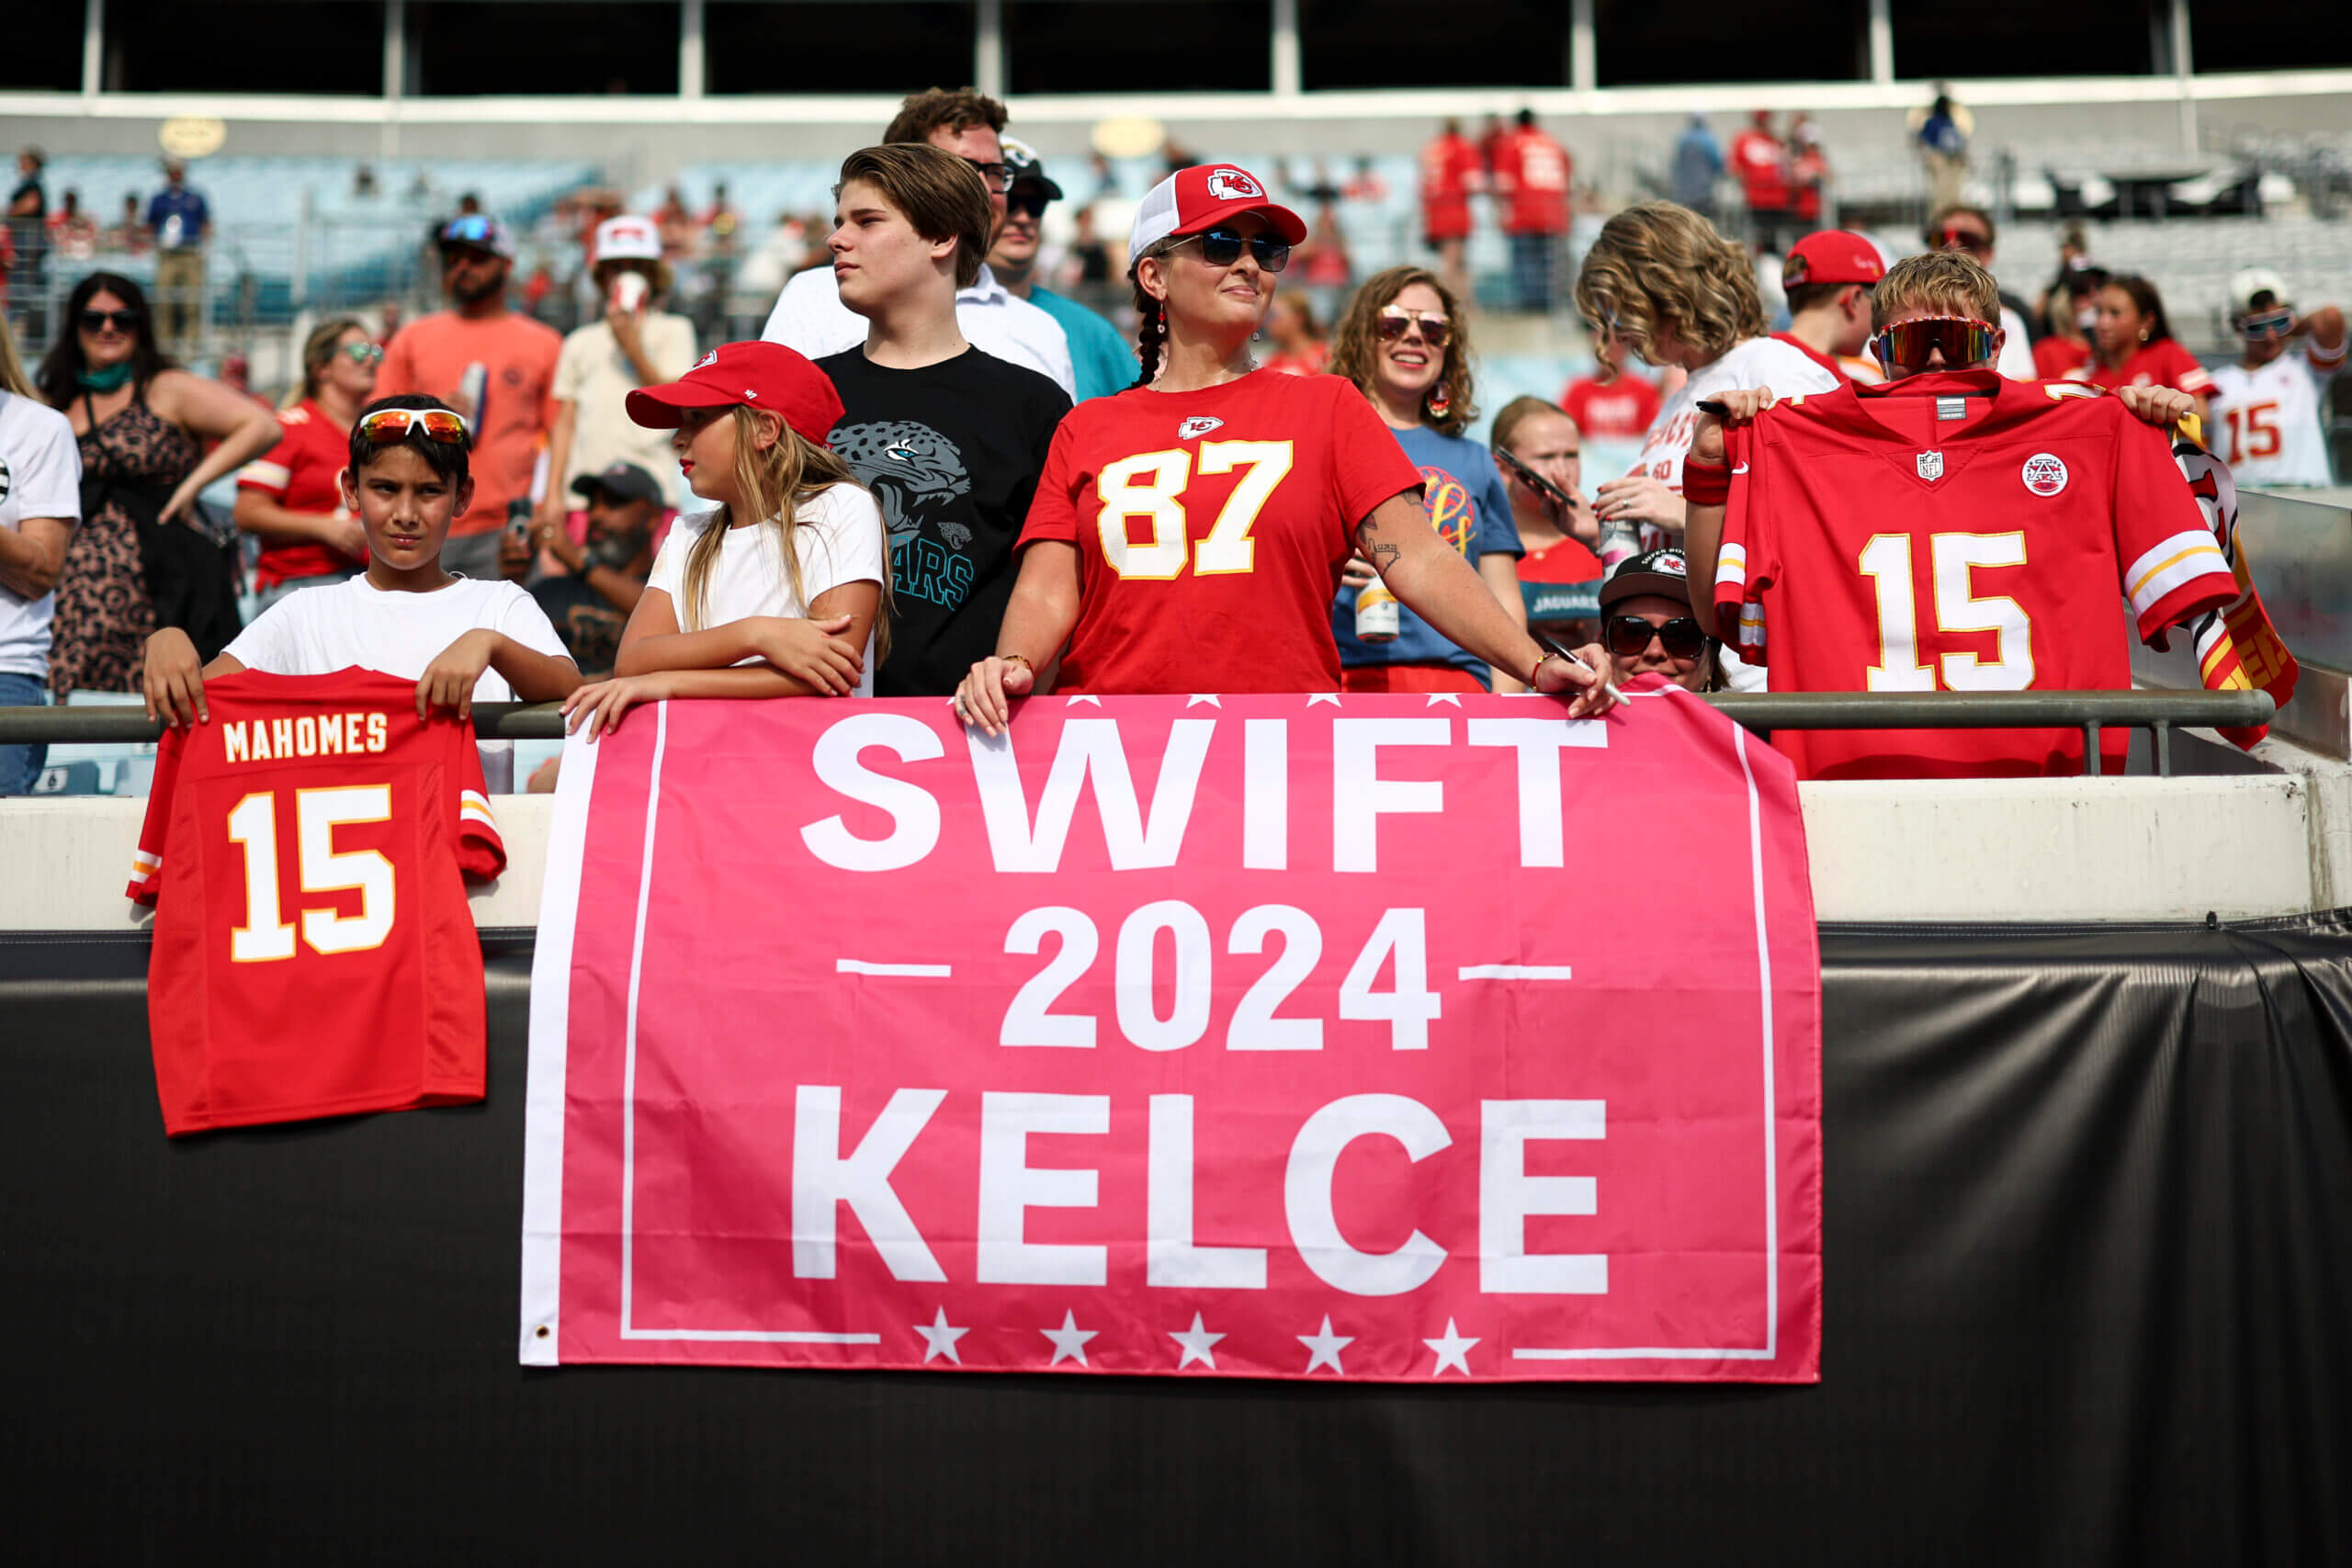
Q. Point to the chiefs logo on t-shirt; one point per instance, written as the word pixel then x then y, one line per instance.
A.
pixel 1232 185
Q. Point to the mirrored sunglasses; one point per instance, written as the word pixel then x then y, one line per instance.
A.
pixel 1965 342
pixel 1222 247
pixel 363 353
pixel 388 427
pixel 1393 324
pixel 2269 323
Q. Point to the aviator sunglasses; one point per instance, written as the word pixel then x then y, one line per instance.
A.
pixel 388 427
pixel 1629 635
pixel 1393 324
pixel 1222 247
pixel 1964 340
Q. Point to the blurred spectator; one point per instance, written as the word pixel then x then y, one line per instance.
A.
pixel 722 223
pixel 2072 309
pixel 28 238
pixel 1557 535
pixel 468 205
pixel 1404 343
pixel 1323 267
pixel 2073 255
pixel 236 373
pixel 1959 227
pixel 1366 184
pixel 604 570
pixel 1940 131
pixel 129 234
pixel 1698 164
pixel 1827 279
pixel 1531 176
pixel 2267 424
pixel 1491 137
pixel 1091 265
pixel 1101 360
pixel 1620 406
pixel 1299 348
pixel 809 315
pixel 676 225
pixel 39 506
pixel 178 219
pixel 1647 623
pixel 2135 344
pixel 289 499
pixel 73 233
pixel 1449 174
pixel 1761 160
pixel 635 345
pixel 145 556
pixel 492 365
pixel 1808 173
pixel 363 182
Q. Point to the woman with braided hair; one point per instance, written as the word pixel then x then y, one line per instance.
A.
pixel 1188 533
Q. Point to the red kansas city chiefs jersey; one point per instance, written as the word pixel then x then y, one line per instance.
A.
pixel 1955 533
pixel 1211 528
pixel 313 955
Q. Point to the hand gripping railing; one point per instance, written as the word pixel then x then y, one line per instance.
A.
pixel 2090 712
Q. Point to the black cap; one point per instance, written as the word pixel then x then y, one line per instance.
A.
pixel 1028 169
pixel 622 481
pixel 1663 572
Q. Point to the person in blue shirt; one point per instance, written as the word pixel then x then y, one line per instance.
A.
pixel 1101 360
pixel 1402 342
pixel 176 220
pixel 1698 164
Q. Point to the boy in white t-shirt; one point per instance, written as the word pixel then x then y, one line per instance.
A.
pixel 783 590
pixel 461 640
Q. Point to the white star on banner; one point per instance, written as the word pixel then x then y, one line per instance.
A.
pixel 1326 1347
pixel 939 1340
pixel 1437 697
pixel 1197 1341
pixel 1069 1340
pixel 1197 698
pixel 1331 697
pixel 1454 1350
pixel 1075 701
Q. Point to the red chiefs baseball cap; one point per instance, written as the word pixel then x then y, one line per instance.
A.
pixel 1833 255
pixel 759 375
pixel 1192 200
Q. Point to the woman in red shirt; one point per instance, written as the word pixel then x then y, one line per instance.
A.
pixel 286 498
pixel 1188 533
pixel 2136 346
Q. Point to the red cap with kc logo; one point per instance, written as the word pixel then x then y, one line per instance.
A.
pixel 1833 255
pixel 1201 196
pixel 757 375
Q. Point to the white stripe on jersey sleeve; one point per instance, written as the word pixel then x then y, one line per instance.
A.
pixel 1731 567
pixel 2177 559
pixel 264 475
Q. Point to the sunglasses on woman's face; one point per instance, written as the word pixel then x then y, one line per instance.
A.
pixel 1393 324
pixel 388 427
pixel 101 320
pixel 1630 635
pixel 1222 247
pixel 362 353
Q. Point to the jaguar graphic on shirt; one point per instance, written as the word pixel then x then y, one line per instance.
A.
pixel 916 474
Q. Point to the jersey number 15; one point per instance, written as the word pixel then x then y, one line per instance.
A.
pixel 1886 561
pixel 253 827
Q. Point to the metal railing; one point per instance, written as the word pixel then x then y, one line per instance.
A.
pixel 2160 713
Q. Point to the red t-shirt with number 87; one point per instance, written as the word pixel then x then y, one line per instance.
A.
pixel 1211 529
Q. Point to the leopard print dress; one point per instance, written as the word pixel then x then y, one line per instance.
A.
pixel 104 616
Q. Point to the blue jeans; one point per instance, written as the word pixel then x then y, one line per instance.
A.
pixel 20 765
pixel 1531 266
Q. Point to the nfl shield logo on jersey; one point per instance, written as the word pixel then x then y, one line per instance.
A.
pixel 2045 474
pixel 1931 466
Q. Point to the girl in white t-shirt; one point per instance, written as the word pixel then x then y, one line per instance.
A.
pixel 784 589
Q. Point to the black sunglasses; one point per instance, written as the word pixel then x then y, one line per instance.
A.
pixel 1629 635
pixel 1222 247
pixel 998 177
pixel 99 320
pixel 1030 202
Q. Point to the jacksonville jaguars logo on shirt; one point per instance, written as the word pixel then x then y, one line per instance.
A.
pixel 916 475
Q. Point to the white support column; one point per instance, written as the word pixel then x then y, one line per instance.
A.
pixel 988 50
pixel 94 47
pixel 1584 54
pixel 2184 71
pixel 387 143
pixel 1881 42
pixel 1289 73
pixel 690 51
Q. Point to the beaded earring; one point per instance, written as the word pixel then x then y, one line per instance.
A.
pixel 1439 400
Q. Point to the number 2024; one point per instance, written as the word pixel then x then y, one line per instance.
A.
pixel 1400 939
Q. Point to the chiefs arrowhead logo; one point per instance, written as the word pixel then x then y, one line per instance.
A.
pixel 1232 185
pixel 1931 466
pixel 710 358
pixel 1199 425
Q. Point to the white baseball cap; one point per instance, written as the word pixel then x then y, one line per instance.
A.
pixel 627 238
pixel 1192 200
pixel 2254 280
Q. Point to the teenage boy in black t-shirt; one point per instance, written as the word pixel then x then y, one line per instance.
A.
pixel 949 439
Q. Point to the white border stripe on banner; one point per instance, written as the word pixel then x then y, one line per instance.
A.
pixel 636 976
pixel 549 1048
pixel 1771 1349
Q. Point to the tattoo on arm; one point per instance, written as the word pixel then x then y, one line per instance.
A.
pixel 1382 556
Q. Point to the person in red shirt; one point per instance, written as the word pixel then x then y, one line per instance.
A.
pixel 2135 344
pixel 2071 309
pixel 1531 176
pixel 1809 172
pixel 1950 530
pixel 1188 533
pixel 1297 338
pixel 288 497
pixel 1555 521
pixel 1761 160
pixel 1450 173
pixel 1619 408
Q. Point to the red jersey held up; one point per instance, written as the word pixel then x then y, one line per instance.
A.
pixel 1451 170
pixel 1211 528
pixel 299 474
pixel 313 955
pixel 1960 532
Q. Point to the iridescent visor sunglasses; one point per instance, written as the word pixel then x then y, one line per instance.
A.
pixel 1964 340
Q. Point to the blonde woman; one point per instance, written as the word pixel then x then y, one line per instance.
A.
pixel 39 509
pixel 782 588
pixel 1403 342
pixel 289 498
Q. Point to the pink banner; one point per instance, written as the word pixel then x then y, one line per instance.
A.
pixel 1390 1037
